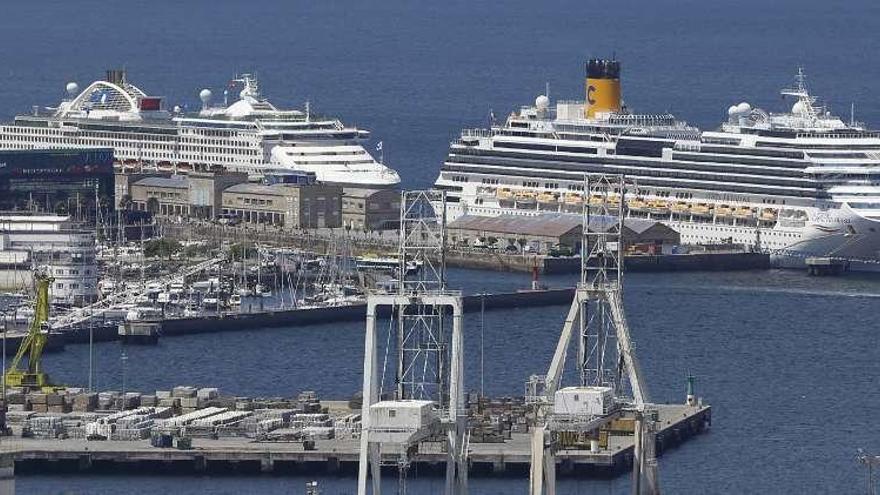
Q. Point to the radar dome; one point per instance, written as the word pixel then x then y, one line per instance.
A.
pixel 743 107
pixel 733 110
pixel 176 108
pixel 542 102
pixel 205 95
pixel 72 88
pixel 799 109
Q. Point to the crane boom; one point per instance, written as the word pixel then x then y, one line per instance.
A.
pixel 33 378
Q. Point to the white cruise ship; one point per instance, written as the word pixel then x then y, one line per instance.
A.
pixel 799 184
pixel 249 135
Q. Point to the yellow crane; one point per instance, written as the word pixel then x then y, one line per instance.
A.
pixel 33 378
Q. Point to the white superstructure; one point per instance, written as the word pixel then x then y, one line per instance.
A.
pixel 801 183
pixel 249 135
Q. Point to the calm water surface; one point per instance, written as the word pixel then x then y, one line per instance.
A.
pixel 788 362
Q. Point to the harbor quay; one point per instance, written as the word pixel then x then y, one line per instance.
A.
pixel 302 435
pixel 103 330
pixel 550 257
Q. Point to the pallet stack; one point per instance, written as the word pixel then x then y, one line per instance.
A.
pixel 44 427
pixel 85 402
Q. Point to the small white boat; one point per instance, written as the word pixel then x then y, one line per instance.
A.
pixel 235 300
pixel 191 311
pixel 211 284
pixel 144 313
pixel 211 301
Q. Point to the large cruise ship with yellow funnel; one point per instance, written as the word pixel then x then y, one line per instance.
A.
pixel 799 183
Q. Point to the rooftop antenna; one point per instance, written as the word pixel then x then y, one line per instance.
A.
pixel 852 114
pixel 801 79
pixel 308 112
pixel 547 90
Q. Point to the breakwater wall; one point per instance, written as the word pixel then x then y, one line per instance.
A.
pixel 230 322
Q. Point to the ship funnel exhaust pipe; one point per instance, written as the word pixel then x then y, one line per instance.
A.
pixel 602 87
pixel 115 76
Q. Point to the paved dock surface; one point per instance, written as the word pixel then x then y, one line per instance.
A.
pixel 678 423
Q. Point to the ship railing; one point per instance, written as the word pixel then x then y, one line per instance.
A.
pixel 683 146
pixel 834 135
pixel 478 133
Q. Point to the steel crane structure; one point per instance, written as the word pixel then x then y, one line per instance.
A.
pixel 33 377
pixel 425 330
pixel 610 379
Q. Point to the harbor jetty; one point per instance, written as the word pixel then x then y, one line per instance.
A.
pixel 104 330
pixel 199 430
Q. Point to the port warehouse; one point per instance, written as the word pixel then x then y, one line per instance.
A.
pixel 554 231
pixel 282 200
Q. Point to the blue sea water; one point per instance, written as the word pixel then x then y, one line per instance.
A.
pixel 790 363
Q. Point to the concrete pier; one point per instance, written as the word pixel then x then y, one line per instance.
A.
pixel 678 423
pixel 825 266
pixel 7 474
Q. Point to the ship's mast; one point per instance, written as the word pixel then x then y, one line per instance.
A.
pixel 808 102
pixel 251 86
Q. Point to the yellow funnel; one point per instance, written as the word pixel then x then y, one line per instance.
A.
pixel 602 87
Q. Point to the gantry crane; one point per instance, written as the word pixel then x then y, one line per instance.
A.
pixel 611 380
pixel 428 399
pixel 33 377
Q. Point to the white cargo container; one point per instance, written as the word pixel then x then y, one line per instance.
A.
pixel 402 421
pixel 583 401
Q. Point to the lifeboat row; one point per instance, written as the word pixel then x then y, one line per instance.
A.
pixel 574 202
pixel 129 164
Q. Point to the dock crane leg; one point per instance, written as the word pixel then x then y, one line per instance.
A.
pixel 637 456
pixel 542 474
pixel 549 468
pixel 536 471
pixel 369 452
pixel 644 477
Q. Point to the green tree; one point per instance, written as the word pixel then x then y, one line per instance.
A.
pixel 161 248
pixel 239 251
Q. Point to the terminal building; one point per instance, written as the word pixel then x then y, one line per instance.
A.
pixel 282 200
pixel 371 209
pixel 285 205
pixel 54 243
pixel 56 181
pixel 553 232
